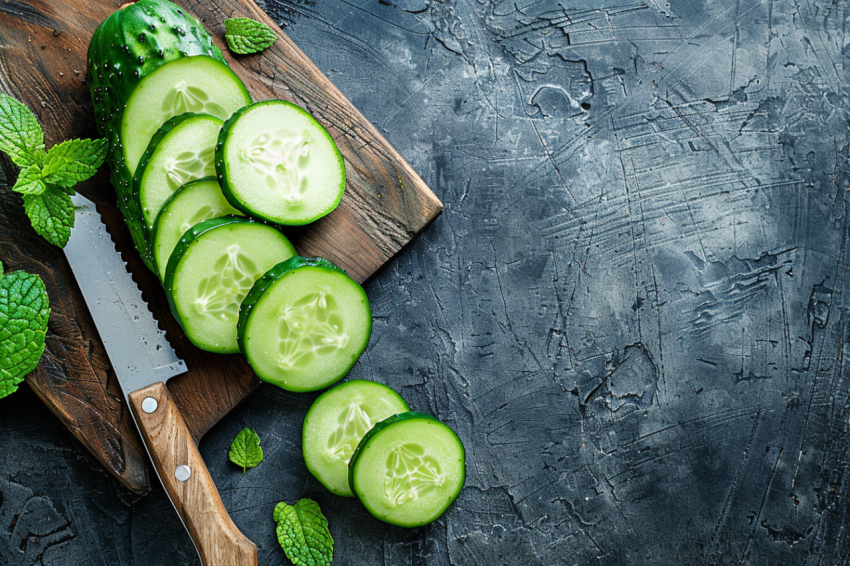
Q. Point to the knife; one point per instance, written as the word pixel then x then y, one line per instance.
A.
pixel 143 361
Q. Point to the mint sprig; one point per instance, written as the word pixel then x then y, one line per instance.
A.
pixel 24 310
pixel 302 532
pixel 245 450
pixel 46 179
pixel 245 36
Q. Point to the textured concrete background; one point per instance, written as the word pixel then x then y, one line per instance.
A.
pixel 632 309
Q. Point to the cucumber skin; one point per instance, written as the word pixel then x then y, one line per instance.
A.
pixel 143 164
pixel 389 421
pixel 190 236
pixel 221 167
pixel 263 283
pixel 124 50
pixel 345 385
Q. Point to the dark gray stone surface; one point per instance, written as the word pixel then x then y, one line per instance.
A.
pixel 632 309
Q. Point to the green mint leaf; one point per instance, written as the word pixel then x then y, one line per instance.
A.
pixel 302 532
pixel 245 450
pixel 73 161
pixel 29 181
pixel 51 214
pixel 21 137
pixel 244 35
pixel 24 310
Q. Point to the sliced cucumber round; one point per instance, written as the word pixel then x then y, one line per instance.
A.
pixel 408 469
pixel 276 162
pixel 197 84
pixel 193 203
pixel 213 266
pixel 179 152
pixel 304 324
pixel 336 422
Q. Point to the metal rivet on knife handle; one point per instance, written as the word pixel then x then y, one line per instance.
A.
pixel 182 473
pixel 149 405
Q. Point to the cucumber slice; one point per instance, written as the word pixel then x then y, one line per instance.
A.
pixel 304 324
pixel 179 152
pixel 197 84
pixel 212 268
pixel 193 203
pixel 337 421
pixel 408 469
pixel 276 162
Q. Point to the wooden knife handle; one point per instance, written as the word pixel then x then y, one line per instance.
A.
pixel 196 498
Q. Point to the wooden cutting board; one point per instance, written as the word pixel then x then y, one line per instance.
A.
pixel 43 46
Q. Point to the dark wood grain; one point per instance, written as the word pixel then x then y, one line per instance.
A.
pixel 74 377
pixel 196 499
pixel 43 48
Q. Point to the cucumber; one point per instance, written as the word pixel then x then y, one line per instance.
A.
pixel 192 84
pixel 179 152
pixel 193 203
pixel 213 266
pixel 304 324
pixel 128 46
pixel 408 469
pixel 276 162
pixel 337 421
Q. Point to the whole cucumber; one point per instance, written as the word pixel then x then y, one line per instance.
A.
pixel 127 46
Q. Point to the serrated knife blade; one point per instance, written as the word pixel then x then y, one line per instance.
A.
pixel 137 348
pixel 143 361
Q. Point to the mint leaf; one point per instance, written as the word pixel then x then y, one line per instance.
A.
pixel 73 161
pixel 24 310
pixel 30 182
pixel 51 214
pixel 21 137
pixel 244 35
pixel 245 450
pixel 302 532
